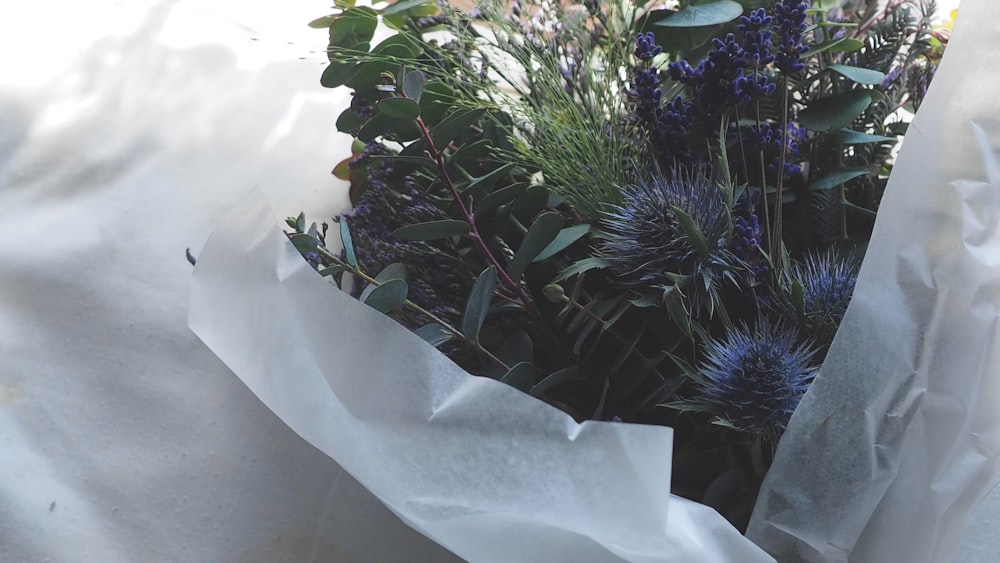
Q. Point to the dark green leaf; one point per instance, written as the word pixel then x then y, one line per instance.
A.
pixel 691 230
pixel 858 74
pixel 521 376
pixel 555 378
pixel 355 25
pixel 394 271
pixel 478 304
pixel 798 299
pixel 348 242
pixel 531 202
pixel 454 125
pixel 432 230
pixel 835 112
pixel 323 22
pixel 581 266
pixel 403 5
pixel 304 243
pixel 349 121
pixel 850 137
pixel 566 237
pixel 413 85
pixel 434 334
pixel 402 108
pixel 710 13
pixel 499 197
pixel 487 180
pixel 674 302
pixel 385 297
pixel 338 74
pixel 383 125
pixel 837 178
pixel 300 223
pixel 540 234
pixel 516 348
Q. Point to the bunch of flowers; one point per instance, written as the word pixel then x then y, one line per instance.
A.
pixel 636 214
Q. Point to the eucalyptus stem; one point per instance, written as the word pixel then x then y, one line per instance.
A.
pixel 470 217
pixel 358 272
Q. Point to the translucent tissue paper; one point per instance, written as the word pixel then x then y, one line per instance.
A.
pixel 887 455
pixel 897 440
pixel 483 469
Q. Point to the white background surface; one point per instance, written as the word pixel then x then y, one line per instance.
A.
pixel 126 130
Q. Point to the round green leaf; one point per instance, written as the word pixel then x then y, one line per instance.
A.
pixel 834 112
pixel 385 297
pixel 858 74
pixel 402 108
pixel 711 13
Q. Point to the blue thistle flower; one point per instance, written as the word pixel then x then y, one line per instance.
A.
pixel 827 281
pixel 752 379
pixel 644 241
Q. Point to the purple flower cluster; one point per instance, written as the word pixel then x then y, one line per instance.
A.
pixel 437 278
pixel 791 15
pixel 768 139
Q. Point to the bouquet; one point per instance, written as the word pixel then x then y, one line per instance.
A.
pixel 650 218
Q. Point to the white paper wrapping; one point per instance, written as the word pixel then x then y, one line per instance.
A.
pixel 485 470
pixel 897 439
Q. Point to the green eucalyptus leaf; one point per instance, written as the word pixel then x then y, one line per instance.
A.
pixel 394 271
pixel 385 297
pixel 349 121
pixel 566 237
pixel 402 6
pixel 834 112
pixel 858 74
pixel 348 242
pixel 478 304
pixel 384 125
pixel 432 230
pixel 413 85
pixel 353 26
pixel 323 22
pixel 487 180
pixel 338 74
pixel 837 178
pixel 401 108
pixel 499 197
pixel 304 243
pixel 562 376
pixel 540 234
pixel 454 125
pixel 709 13
pixel 531 202
pixel 521 376
pixel 434 334
pixel 674 302
pixel 851 137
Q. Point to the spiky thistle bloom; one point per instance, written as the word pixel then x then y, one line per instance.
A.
pixel 827 282
pixel 645 240
pixel 753 378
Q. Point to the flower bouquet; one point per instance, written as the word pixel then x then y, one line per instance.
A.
pixel 600 253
